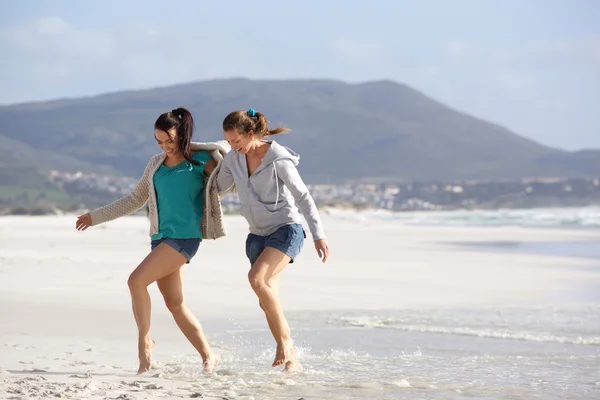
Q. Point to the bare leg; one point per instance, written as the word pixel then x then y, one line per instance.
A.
pixel 271 327
pixel 162 261
pixel 171 287
pixel 270 263
pixel 273 283
pixel 291 365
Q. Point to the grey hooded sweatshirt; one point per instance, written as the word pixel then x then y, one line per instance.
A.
pixel 272 195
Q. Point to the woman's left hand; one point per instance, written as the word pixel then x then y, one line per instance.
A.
pixel 322 249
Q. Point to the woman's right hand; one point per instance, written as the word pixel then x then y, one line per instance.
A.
pixel 83 222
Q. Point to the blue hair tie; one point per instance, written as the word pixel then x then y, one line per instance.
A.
pixel 252 112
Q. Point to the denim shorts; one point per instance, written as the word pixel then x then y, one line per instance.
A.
pixel 187 247
pixel 288 239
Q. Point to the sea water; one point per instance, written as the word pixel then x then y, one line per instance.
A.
pixel 544 352
pixel 490 353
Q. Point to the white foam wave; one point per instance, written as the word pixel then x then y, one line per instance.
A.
pixel 588 217
pixel 497 333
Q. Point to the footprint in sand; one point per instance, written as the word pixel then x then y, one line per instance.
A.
pixel 82 376
pixel 79 363
pixel 153 386
pixel 137 384
pixel 123 397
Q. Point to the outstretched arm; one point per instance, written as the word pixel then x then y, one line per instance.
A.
pixel 121 207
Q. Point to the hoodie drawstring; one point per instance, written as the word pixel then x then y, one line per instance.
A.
pixel 277 184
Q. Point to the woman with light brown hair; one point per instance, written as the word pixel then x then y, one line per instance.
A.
pixel 273 199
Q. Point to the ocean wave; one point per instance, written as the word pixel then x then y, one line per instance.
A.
pixel 487 332
pixel 588 217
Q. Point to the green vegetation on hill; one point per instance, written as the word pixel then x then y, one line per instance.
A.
pixel 27 190
pixel 20 184
pixel 24 190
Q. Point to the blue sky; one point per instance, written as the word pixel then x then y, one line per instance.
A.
pixel 530 65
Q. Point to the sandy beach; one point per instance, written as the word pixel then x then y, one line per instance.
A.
pixel 66 328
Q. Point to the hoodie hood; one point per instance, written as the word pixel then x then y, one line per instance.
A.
pixel 278 152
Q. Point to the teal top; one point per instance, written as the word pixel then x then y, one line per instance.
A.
pixel 179 198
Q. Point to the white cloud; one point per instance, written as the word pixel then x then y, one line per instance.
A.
pixel 358 50
pixel 57 39
pixel 431 70
pixel 61 57
pixel 456 47
pixel 573 52
pixel 577 51
pixel 50 25
pixel 464 51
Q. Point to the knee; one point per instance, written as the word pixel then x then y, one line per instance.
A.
pixel 257 282
pixel 134 282
pixel 174 305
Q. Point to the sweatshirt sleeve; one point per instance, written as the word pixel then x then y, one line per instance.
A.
pixel 126 204
pixel 289 175
pixel 225 180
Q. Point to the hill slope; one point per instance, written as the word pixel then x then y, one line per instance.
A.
pixel 381 130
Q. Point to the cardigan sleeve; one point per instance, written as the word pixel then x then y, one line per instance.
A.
pixel 127 204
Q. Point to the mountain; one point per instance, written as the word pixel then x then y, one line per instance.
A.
pixel 382 131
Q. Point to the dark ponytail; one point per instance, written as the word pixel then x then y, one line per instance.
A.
pixel 182 121
pixel 246 121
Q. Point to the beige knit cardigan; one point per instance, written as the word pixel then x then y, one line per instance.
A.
pixel 212 226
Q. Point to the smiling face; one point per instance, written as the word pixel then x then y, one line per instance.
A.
pixel 167 141
pixel 240 143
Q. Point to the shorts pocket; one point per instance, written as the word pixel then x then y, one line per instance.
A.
pixel 283 235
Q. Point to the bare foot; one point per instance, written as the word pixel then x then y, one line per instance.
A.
pixel 284 353
pixel 293 367
pixel 210 364
pixel 145 354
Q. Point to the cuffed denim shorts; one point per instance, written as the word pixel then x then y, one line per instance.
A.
pixel 288 239
pixel 187 247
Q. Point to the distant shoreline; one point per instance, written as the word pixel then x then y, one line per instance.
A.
pixel 50 210
pixel 578 218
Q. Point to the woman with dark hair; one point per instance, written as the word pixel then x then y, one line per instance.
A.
pixel 184 208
